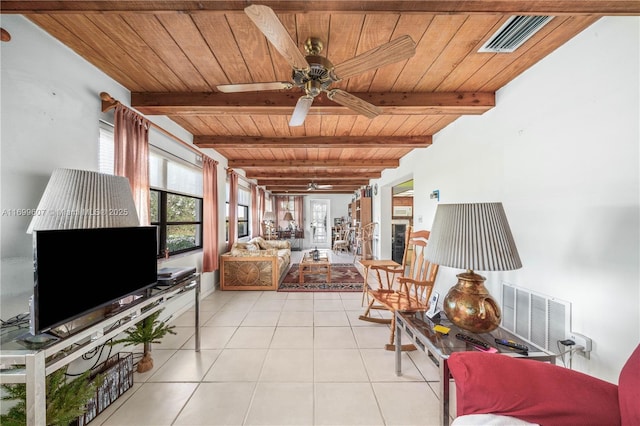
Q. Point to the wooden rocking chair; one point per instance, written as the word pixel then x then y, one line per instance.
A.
pixel 387 284
pixel 414 286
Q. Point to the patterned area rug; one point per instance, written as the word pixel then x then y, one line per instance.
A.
pixel 344 277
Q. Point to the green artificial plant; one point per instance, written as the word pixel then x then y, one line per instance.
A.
pixel 66 399
pixel 149 330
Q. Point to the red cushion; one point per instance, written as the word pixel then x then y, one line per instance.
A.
pixel 534 391
pixel 629 390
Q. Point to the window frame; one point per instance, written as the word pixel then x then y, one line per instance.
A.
pixel 247 221
pixel 164 223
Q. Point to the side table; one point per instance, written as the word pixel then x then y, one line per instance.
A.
pixel 419 328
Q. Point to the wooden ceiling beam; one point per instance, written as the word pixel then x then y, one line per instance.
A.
pixel 293 182
pixel 284 175
pixel 343 164
pixel 551 7
pixel 305 192
pixel 283 103
pixel 256 142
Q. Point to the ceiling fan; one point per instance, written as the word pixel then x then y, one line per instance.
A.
pixel 312 186
pixel 314 74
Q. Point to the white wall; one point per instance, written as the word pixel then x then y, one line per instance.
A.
pixel 50 113
pixel 561 151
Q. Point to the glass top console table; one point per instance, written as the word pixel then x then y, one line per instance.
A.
pixel 31 365
pixel 419 328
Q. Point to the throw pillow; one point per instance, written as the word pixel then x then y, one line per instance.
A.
pixel 529 390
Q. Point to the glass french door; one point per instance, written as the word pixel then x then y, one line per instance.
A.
pixel 320 231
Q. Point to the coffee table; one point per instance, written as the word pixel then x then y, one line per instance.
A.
pixel 310 266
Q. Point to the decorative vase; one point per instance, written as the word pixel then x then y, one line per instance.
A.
pixel 469 305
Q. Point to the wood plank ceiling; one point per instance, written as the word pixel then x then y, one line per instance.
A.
pixel 172 55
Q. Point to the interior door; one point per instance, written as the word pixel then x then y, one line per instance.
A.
pixel 320 230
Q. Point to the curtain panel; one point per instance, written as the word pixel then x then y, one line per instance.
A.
pixel 131 156
pixel 233 209
pixel 210 250
pixel 298 203
pixel 255 218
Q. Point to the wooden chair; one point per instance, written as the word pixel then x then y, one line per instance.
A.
pixel 363 238
pixel 341 242
pixel 268 233
pixel 414 285
pixel 389 272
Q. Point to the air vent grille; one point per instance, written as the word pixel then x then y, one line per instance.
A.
pixel 514 33
pixel 537 318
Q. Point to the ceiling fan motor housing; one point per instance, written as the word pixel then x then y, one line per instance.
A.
pixel 317 78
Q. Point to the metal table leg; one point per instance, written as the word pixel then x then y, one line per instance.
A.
pixel 398 347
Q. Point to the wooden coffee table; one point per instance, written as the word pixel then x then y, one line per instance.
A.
pixel 310 266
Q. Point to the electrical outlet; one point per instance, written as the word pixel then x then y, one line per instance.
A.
pixel 583 341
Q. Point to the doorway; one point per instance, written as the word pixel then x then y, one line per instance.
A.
pixel 401 217
pixel 320 231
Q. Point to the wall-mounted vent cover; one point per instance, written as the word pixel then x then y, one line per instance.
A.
pixel 539 319
pixel 514 33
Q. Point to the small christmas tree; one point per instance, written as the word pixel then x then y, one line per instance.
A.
pixel 149 330
pixel 66 399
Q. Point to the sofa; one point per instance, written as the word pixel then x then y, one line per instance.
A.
pixel 257 264
pixel 494 389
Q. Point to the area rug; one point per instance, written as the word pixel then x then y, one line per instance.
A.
pixel 344 277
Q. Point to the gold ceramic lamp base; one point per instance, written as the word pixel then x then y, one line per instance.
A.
pixel 469 305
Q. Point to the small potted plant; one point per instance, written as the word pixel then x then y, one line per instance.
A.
pixel 66 399
pixel 149 330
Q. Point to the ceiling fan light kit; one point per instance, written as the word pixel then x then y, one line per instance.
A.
pixel 313 73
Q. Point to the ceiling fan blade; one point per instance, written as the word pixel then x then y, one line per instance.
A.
pixel 252 87
pixel 300 112
pixel 353 102
pixel 396 50
pixel 325 186
pixel 266 20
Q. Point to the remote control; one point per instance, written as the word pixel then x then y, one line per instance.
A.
pixel 513 345
pixel 478 344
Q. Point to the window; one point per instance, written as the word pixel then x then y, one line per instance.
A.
pixel 176 203
pixel 176 192
pixel 179 221
pixel 244 201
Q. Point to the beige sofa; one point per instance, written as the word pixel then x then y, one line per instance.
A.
pixel 255 265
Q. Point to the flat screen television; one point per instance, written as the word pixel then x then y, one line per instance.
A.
pixel 78 271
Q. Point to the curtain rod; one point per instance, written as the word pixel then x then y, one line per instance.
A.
pixel 108 102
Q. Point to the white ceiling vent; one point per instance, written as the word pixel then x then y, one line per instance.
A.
pixel 514 33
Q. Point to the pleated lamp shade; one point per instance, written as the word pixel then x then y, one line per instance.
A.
pixel 472 236
pixel 80 199
pixel 288 216
pixel 270 216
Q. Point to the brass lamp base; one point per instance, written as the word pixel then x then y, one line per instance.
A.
pixel 469 305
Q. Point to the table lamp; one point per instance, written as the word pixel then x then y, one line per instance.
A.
pixel 84 199
pixel 288 217
pixel 472 236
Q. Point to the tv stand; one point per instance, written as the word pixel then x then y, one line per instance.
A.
pixel 33 365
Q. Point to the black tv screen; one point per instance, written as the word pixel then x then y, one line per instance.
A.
pixel 78 271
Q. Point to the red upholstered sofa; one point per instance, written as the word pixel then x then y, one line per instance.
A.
pixel 541 393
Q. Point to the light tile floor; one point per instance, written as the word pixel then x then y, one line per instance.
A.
pixel 271 358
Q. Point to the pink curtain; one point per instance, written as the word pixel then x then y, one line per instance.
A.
pixel 261 203
pixel 131 159
pixel 210 213
pixel 255 208
pixel 233 209
pixel 298 205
